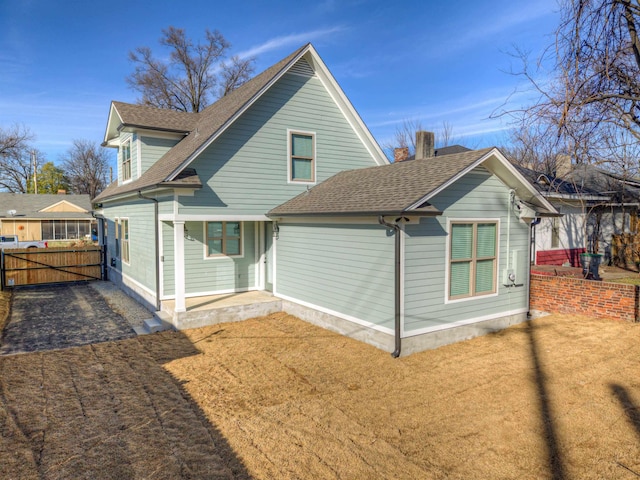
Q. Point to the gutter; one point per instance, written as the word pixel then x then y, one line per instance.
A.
pixel 398 286
pixel 406 213
pixel 157 242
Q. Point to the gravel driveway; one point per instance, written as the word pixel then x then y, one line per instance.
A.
pixel 60 316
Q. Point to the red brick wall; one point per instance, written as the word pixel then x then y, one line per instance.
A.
pixel 585 297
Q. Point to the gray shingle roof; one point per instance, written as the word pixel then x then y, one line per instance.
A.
pixel 155 118
pixel 439 152
pixel 210 121
pixel 385 189
pixel 586 181
pixel 29 205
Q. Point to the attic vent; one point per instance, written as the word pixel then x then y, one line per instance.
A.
pixel 302 67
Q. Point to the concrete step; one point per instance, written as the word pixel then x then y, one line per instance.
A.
pixel 161 321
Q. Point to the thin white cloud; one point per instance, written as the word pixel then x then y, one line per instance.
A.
pixel 490 28
pixel 289 40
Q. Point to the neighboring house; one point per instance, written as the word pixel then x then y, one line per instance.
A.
pixel 46 217
pixel 280 187
pixel 596 204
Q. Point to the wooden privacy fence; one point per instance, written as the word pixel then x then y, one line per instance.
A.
pixel 33 266
pixel 625 250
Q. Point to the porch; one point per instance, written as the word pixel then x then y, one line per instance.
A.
pixel 213 309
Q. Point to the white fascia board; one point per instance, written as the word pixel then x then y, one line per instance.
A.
pixel 113 116
pixel 155 192
pixel 169 217
pixel 576 197
pixel 236 115
pixel 347 108
pixel 497 154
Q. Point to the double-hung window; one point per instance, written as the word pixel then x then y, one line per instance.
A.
pixel 224 238
pixel 472 259
pixel 122 239
pixel 125 239
pixel 302 163
pixel 126 160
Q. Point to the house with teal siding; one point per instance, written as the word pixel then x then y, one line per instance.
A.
pixel 280 188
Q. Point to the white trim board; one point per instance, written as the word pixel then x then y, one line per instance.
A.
pixel 169 217
pixel 212 292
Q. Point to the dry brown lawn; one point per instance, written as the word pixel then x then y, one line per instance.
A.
pixel 5 305
pixel 275 397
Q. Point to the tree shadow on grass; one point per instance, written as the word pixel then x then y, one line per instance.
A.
pixel 554 455
pixel 109 410
pixel 630 408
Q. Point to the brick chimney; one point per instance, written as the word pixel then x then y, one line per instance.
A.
pixel 563 165
pixel 400 154
pixel 424 144
pixel 62 192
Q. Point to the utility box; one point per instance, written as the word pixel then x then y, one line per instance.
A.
pixel 514 276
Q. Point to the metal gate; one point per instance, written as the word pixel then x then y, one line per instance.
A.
pixel 34 266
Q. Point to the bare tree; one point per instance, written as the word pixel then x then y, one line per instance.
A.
pixel 192 76
pixel 86 166
pixel 15 158
pixel 535 147
pixel 594 91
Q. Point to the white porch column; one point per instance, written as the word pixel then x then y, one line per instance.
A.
pixel 178 256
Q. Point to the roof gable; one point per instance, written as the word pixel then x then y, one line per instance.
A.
pixel 29 205
pixel 63 206
pixel 127 115
pixel 403 187
pixel 215 119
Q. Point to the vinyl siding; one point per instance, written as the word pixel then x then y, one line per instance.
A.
pixel 141 240
pixel 477 195
pixel 245 170
pixel 152 149
pixel 207 275
pixel 345 268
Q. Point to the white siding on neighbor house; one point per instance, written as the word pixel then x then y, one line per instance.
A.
pixel 205 276
pixel 140 214
pixel 570 229
pixel 245 169
pixel 478 195
pixel 152 149
pixel 347 269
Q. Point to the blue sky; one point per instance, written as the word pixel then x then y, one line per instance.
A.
pixel 62 62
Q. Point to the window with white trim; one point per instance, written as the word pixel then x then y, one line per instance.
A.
pixel 224 239
pixel 555 232
pixel 125 239
pixel 302 148
pixel 472 259
pixel 125 155
pixel 122 239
